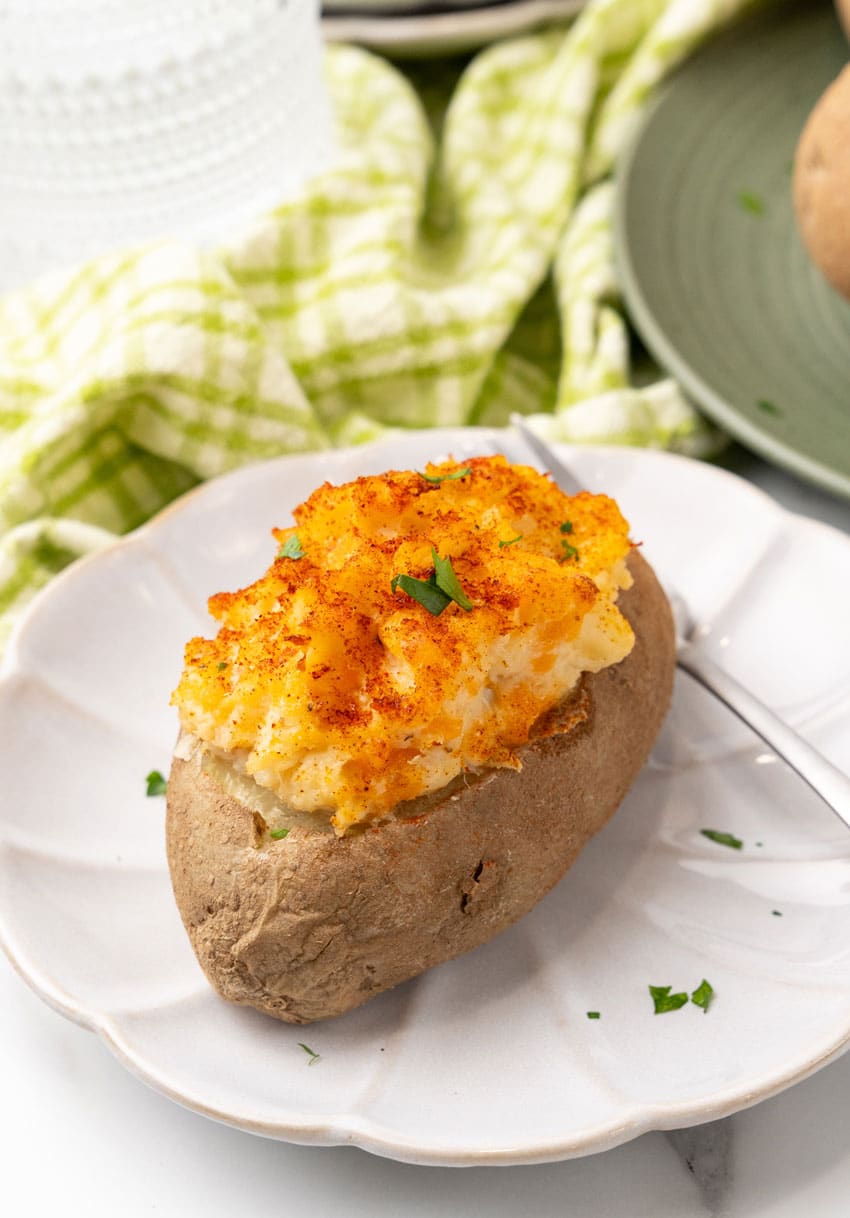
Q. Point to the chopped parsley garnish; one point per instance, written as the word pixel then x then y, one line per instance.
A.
pixel 569 551
pixel 512 541
pixel 593 1015
pixel 664 1000
pixel 722 839
pixel 703 995
pixel 156 783
pixel 425 591
pixel 314 1057
pixel 436 479
pixel 776 913
pixel 448 582
pixel 222 664
pixel 567 526
pixel 438 590
pixel 277 834
pixel 768 407
pixel 751 202
pixel 291 548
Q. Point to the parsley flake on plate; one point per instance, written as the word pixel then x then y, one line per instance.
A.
pixel 291 548
pixel 569 551
pixel 314 1057
pixel 751 202
pixel 703 995
pixel 567 526
pixel 156 783
pixel 278 834
pixel 593 1015
pixel 722 839
pixel 665 1001
pixel 768 407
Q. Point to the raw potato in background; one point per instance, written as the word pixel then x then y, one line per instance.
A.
pixel 822 178
pixel 822 184
pixel 843 9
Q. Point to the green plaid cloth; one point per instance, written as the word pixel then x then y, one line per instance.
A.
pixel 411 286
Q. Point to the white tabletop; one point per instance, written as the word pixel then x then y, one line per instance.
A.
pixel 80 1136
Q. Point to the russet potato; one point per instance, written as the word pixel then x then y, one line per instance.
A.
pixel 822 184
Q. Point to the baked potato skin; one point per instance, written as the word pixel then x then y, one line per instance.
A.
pixel 313 925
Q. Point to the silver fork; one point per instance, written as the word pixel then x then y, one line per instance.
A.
pixel 825 779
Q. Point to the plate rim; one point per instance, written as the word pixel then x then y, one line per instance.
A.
pixel 633 1120
pixel 758 438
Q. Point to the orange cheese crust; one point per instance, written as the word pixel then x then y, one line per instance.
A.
pixel 346 697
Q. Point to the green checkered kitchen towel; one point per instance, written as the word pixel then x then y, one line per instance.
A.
pixel 423 281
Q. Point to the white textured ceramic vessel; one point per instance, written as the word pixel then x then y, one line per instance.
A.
pixel 491 1057
pixel 123 122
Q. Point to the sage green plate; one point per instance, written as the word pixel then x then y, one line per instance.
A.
pixel 714 274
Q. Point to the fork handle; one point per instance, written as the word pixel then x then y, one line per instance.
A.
pixel 825 779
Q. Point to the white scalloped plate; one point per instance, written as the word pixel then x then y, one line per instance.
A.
pixel 490 1058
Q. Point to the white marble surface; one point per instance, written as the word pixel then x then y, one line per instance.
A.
pixel 81 1136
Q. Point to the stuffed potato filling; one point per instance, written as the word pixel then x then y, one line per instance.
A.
pixel 412 625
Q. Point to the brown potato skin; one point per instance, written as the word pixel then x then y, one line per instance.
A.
pixel 313 925
pixel 822 184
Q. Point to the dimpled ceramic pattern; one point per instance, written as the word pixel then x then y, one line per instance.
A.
pixel 489 1058
pixel 715 275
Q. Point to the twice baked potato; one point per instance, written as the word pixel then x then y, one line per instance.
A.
pixel 304 886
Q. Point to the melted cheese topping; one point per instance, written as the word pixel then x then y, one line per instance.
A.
pixel 343 696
